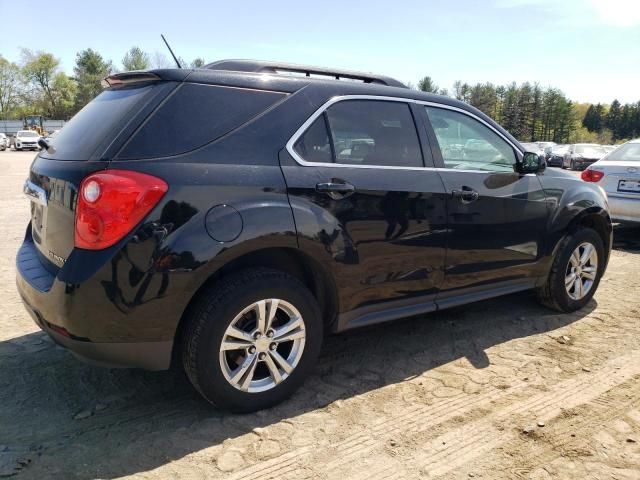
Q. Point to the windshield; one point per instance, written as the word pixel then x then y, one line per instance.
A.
pixel 590 149
pixel 627 152
pixel 27 133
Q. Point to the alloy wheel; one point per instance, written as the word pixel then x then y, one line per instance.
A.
pixel 581 271
pixel 262 345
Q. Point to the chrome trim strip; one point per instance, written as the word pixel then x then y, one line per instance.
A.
pixel 35 193
pixel 294 138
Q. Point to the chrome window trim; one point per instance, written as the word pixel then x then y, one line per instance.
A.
pixel 35 193
pixel 341 98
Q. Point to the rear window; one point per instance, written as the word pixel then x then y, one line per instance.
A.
pixel 195 115
pixel 627 152
pixel 590 149
pixel 81 136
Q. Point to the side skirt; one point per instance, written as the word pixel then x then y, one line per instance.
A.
pixel 396 309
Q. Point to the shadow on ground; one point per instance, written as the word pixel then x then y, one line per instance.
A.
pixel 137 421
pixel 626 238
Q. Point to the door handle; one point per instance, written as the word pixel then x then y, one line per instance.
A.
pixel 465 194
pixel 336 188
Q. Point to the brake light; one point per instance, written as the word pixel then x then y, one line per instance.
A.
pixel 111 203
pixel 589 175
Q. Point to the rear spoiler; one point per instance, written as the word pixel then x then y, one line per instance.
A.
pixel 126 78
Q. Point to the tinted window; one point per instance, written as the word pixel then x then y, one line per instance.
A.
pixel 195 115
pixel 369 132
pixel 85 131
pixel 314 145
pixel 466 143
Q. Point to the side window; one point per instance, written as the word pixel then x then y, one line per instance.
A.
pixel 373 132
pixel 313 145
pixel 466 143
pixel 194 116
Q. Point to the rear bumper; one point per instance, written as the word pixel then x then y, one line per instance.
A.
pixel 95 323
pixel 624 209
pixel 146 355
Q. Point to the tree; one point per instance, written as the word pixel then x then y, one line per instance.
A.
pixel 135 59
pixel 613 119
pixel 89 71
pixel 198 63
pixel 53 92
pixel 593 120
pixel 160 60
pixel 10 82
pixel 39 69
pixel 64 91
pixel 426 85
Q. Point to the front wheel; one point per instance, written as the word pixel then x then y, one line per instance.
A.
pixel 575 273
pixel 252 339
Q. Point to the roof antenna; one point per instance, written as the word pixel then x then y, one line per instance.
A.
pixel 172 54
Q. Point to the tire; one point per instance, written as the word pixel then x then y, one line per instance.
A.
pixel 554 293
pixel 210 370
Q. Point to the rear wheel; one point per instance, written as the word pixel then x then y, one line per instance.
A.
pixel 252 339
pixel 576 272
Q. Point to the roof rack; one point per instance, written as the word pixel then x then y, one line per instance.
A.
pixel 259 66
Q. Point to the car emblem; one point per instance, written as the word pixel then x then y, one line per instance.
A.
pixel 632 169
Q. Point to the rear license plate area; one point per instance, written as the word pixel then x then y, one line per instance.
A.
pixel 629 186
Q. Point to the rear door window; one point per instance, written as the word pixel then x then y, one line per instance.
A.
pixel 195 115
pixel 313 145
pixel 374 132
pixel 85 132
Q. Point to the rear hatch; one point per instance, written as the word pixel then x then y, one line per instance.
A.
pixel 83 146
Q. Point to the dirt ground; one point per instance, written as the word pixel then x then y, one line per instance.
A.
pixel 499 389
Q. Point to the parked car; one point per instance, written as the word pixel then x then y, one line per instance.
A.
pixel 233 247
pixel 618 173
pixel 26 140
pixel 544 145
pixel 555 155
pixel 580 155
pixel 533 147
pixel 4 142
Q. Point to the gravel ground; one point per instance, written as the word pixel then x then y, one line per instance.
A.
pixel 498 389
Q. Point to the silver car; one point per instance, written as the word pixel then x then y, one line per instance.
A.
pixel 618 173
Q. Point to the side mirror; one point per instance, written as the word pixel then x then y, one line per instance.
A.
pixel 531 163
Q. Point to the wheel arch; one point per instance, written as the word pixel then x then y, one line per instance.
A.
pixel 596 218
pixel 290 260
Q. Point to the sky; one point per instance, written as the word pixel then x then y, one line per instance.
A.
pixel 590 49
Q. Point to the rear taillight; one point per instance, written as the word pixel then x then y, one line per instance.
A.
pixel 589 175
pixel 111 203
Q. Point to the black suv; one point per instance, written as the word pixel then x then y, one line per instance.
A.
pixel 226 218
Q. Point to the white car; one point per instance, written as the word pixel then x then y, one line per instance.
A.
pixel 618 173
pixel 26 140
pixel 4 142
